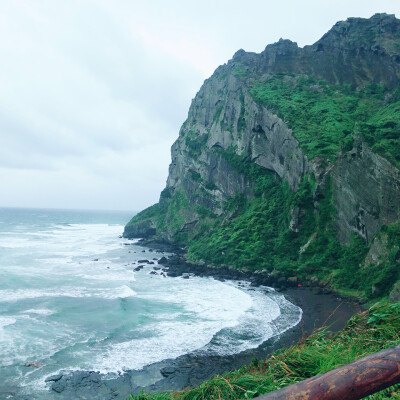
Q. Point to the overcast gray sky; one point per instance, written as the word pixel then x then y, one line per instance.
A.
pixel 93 92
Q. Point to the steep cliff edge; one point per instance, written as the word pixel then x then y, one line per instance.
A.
pixel 289 160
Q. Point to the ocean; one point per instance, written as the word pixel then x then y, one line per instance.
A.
pixel 71 300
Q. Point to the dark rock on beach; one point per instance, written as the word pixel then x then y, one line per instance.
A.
pixel 54 378
pixel 168 371
pixel 163 261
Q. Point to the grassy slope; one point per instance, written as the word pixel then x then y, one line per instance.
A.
pixel 366 333
pixel 167 214
pixel 324 117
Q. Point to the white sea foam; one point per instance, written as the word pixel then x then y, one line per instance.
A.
pixel 106 293
pixel 218 318
pixel 270 315
pixel 104 271
pixel 5 340
pixel 207 307
pixel 173 316
pixel 14 242
pixel 81 239
pixel 208 299
pixel 172 340
pixel 131 241
pixel 6 320
pixel 121 292
pixel 39 311
pixel 110 277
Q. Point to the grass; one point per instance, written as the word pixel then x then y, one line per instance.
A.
pixel 195 143
pixel 324 117
pixel 366 333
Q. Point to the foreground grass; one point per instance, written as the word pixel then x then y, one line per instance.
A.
pixel 366 333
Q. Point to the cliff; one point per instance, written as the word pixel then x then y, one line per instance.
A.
pixel 289 160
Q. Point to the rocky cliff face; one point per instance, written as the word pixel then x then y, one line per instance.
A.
pixel 227 124
pixel 366 193
pixel 355 51
pixel 224 116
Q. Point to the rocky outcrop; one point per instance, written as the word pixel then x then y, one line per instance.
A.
pixel 225 119
pixel 223 116
pixel 142 229
pixel 366 193
pixel 355 51
pixel 378 251
pixel 394 295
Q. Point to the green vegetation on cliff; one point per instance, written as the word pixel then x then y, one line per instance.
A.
pixel 166 215
pixel 324 117
pixel 254 233
pixel 366 333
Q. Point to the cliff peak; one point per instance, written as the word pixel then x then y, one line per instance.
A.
pixel 356 33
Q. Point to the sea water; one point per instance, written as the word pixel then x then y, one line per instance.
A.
pixel 71 300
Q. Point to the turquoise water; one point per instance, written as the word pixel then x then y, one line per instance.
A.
pixel 70 300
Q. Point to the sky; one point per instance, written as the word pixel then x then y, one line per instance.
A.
pixel 93 92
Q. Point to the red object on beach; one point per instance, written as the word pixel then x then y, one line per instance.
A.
pixel 35 364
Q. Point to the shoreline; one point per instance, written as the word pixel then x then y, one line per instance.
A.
pixel 319 308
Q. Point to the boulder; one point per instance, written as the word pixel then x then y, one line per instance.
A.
pixel 54 378
pixel 394 295
pixel 167 371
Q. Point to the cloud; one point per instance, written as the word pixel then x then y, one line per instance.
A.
pixel 93 92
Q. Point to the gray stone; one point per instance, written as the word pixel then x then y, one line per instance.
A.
pixel 366 193
pixel 394 295
pixel 54 378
